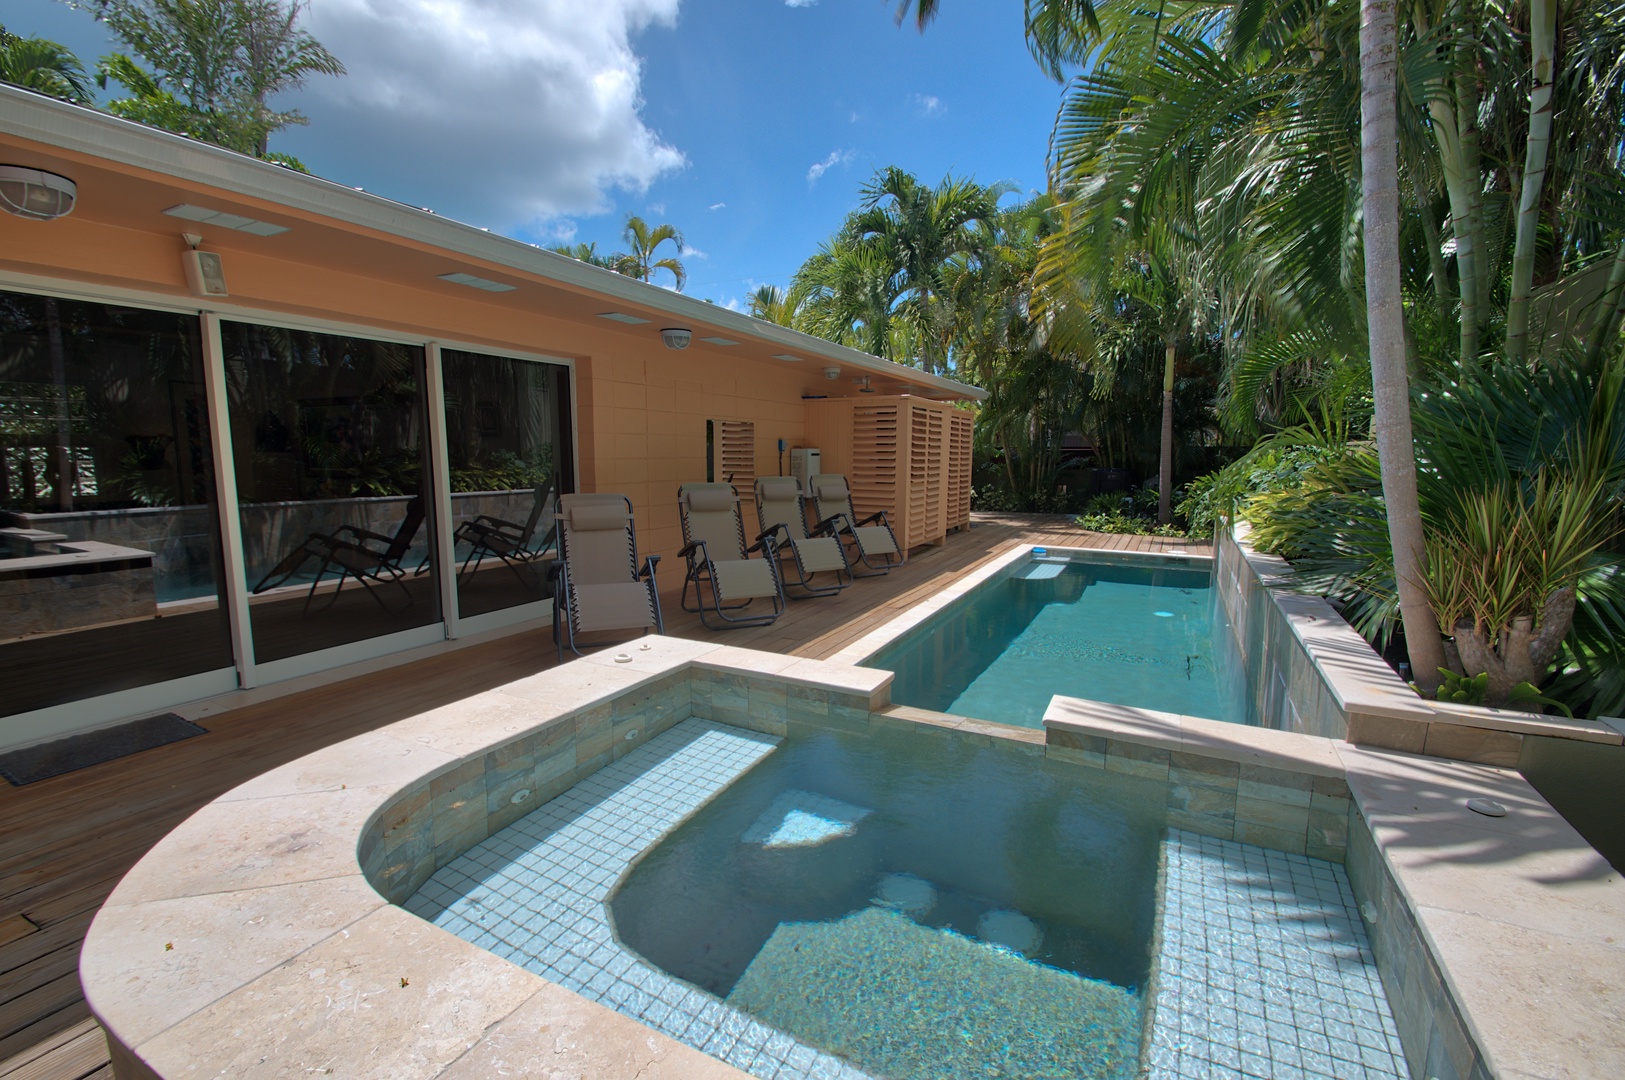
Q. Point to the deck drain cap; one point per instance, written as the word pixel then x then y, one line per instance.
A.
pixel 623 658
pixel 1487 807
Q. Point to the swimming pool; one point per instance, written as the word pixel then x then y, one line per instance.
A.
pixel 1141 631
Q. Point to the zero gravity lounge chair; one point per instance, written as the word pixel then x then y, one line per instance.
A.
pixel 600 585
pixel 719 563
pixel 783 516
pixel 368 557
pixel 873 537
pixel 510 541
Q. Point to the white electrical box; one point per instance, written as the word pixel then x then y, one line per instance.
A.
pixel 805 464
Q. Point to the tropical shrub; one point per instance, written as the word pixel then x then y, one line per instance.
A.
pixel 1520 472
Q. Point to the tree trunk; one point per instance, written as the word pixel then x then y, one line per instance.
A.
pixel 1523 653
pixel 1542 50
pixel 1610 308
pixel 1379 161
pixel 1165 474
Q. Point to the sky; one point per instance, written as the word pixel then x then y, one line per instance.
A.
pixel 751 125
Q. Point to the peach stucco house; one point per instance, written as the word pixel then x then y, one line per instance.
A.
pixel 173 426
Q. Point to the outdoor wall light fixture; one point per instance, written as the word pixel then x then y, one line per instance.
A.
pixel 35 194
pixel 832 373
pixel 676 337
pixel 864 387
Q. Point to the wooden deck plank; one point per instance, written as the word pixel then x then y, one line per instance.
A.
pixel 78 1051
pixel 69 839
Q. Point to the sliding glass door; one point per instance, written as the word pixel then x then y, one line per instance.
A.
pixel 508 445
pixel 110 545
pixel 330 439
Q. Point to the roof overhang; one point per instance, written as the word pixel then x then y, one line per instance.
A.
pixel 88 133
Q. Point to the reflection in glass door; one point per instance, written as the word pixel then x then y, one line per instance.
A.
pixel 110 554
pixel 329 438
pixel 508 440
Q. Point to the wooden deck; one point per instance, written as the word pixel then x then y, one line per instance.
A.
pixel 68 840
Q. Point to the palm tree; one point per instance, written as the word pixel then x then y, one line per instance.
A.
pixel 775 305
pixel 44 67
pixel 1396 451
pixel 640 262
pixel 921 231
pixel 211 65
pixel 588 253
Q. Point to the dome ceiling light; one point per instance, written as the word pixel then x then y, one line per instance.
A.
pixel 36 194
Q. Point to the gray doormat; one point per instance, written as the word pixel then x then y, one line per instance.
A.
pixel 50 759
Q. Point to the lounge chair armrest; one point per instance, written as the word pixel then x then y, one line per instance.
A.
pixel 770 534
pixel 828 527
pixel 360 534
pixel 764 543
pixel 689 550
pixel 649 562
pixel 878 515
pixel 489 522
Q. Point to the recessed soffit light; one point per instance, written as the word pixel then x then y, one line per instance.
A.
pixel 720 340
pixel 787 356
pixel 188 212
pixel 477 282
pixel 621 317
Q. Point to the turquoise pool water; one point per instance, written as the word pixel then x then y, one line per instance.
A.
pixel 967 911
pixel 1128 633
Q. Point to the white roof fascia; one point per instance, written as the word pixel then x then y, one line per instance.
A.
pixel 86 131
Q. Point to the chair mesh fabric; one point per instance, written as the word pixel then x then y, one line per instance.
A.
pixel 710 514
pixel 876 540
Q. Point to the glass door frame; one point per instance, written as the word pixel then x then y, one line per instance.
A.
pixel 245 673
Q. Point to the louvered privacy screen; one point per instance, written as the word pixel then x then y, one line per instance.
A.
pixel 733 450
pixel 907 456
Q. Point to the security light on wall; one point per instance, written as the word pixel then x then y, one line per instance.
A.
pixel 832 373
pixel 35 194
pixel 676 337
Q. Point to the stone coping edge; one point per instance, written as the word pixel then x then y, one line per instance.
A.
pixel 258 938
pixel 1364 685
pixel 1520 915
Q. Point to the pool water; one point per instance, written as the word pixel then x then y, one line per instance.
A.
pixel 969 911
pixel 1148 636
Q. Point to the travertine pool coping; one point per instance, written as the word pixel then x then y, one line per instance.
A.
pixel 257 940
pixel 1525 920
pixel 250 941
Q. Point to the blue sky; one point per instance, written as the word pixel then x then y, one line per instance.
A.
pixel 749 124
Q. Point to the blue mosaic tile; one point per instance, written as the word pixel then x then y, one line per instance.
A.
pixel 534 893
pixel 1264 971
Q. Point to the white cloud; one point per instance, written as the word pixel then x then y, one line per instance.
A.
pixel 819 168
pixel 499 112
pixel 657 208
pixel 799 3
pixel 718 206
pixel 929 104
pixel 693 253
